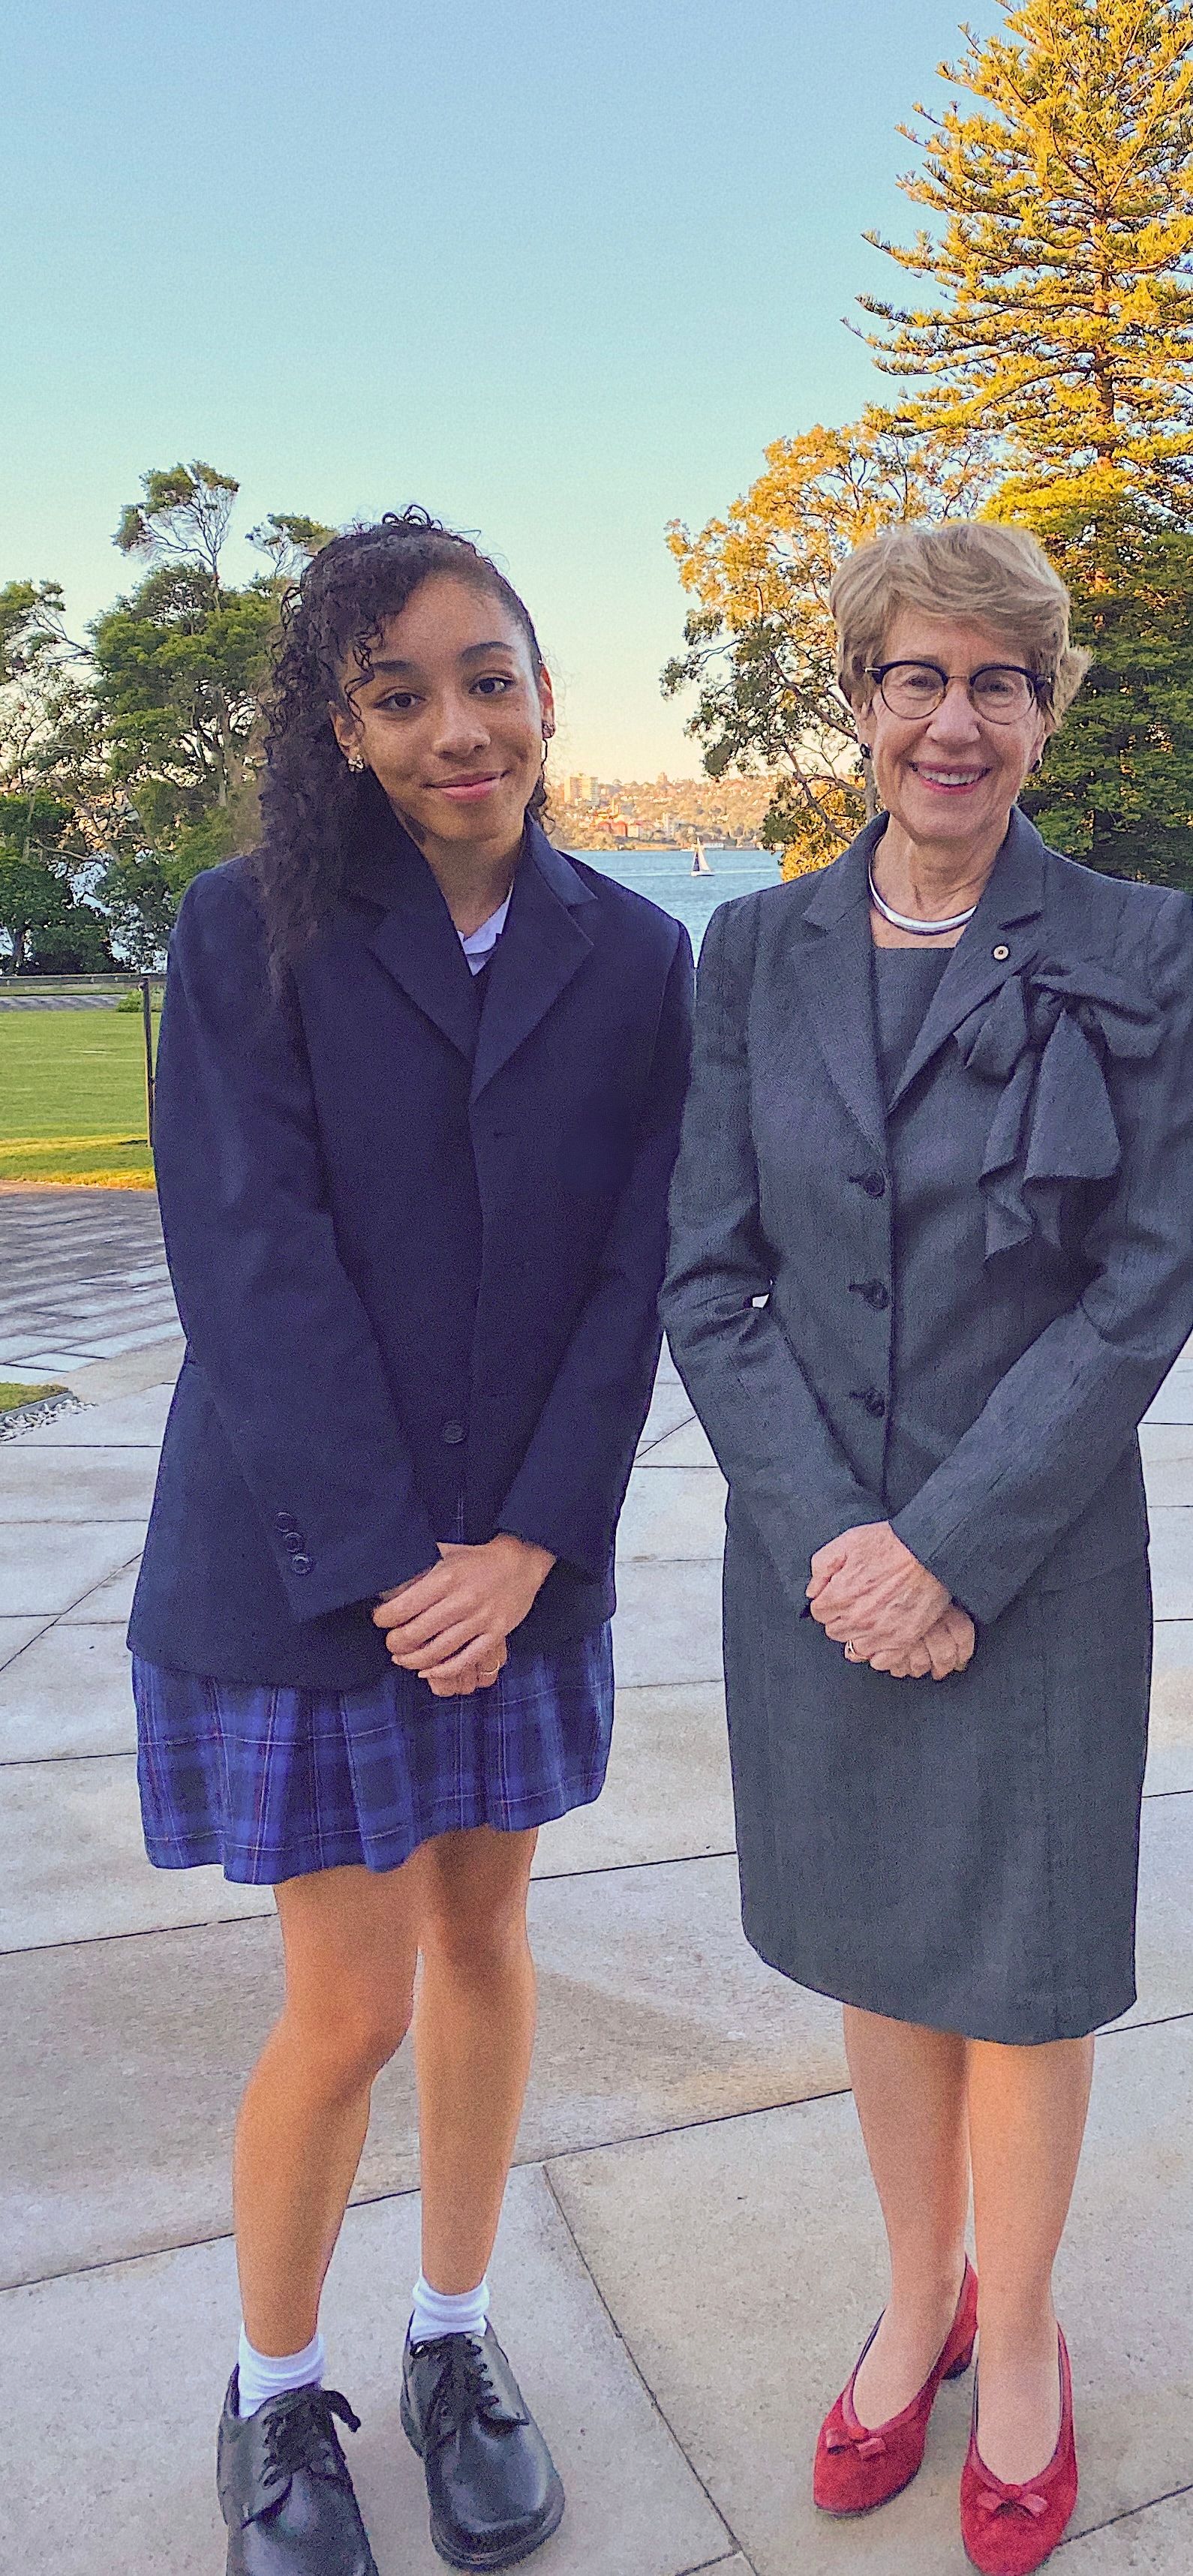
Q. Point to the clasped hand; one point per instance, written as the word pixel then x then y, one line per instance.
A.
pixel 451 1623
pixel 872 1596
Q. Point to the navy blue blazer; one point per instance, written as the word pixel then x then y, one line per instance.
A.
pixel 416 1235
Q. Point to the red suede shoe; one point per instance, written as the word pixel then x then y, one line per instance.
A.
pixel 1008 2530
pixel 859 2466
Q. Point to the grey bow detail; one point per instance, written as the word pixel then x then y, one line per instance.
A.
pixel 1045 1036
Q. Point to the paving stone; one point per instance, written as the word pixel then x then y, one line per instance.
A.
pixel 94 1485
pixel 15 1635
pixel 668 1623
pixel 162 2333
pixel 673 1512
pixel 100 1379
pixel 68 1693
pixel 1170 1734
pixel 73 1865
pixel 49 1566
pixel 667 1794
pixel 758 2239
pixel 1164 1941
pixel 123 1422
pixel 1172 1560
pixel 688 1447
pixel 669 1406
pixel 1156 2541
pixel 653 2012
pixel 1174 1403
pixel 1167 1462
pixel 108 1603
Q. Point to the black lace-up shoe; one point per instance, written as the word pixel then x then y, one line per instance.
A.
pixel 285 2492
pixel 492 2485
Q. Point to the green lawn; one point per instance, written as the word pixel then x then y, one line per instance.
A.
pixel 13 1394
pixel 72 1097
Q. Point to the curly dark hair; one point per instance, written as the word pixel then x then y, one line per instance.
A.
pixel 312 804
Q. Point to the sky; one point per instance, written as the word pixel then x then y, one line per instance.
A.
pixel 560 272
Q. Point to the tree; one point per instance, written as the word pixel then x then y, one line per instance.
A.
pixel 1063 321
pixel 144 736
pixel 289 542
pixel 760 647
pixel 1116 788
pixel 179 666
pixel 182 519
pixel 47 924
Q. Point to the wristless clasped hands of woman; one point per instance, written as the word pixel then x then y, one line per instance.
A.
pixel 451 1624
pixel 874 1598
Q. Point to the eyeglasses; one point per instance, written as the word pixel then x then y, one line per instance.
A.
pixel 1000 692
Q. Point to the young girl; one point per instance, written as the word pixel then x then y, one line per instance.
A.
pixel 418 1097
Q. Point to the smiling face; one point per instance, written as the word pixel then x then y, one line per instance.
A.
pixel 951 776
pixel 451 716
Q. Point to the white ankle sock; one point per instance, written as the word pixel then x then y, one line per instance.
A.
pixel 441 2312
pixel 263 2376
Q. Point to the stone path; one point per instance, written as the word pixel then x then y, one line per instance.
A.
pixel 82 1277
pixel 690 2255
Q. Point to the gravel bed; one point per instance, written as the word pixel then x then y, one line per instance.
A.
pixel 30 1417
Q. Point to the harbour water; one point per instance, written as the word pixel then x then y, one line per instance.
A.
pixel 665 876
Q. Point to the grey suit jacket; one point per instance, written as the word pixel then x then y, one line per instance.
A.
pixel 953 1311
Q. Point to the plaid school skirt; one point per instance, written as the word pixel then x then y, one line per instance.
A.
pixel 275 1783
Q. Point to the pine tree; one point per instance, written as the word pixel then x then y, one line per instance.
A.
pixel 1116 786
pixel 1063 321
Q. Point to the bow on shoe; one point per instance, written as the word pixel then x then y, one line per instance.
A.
pixel 868 2446
pixel 989 2501
pixel 1045 1037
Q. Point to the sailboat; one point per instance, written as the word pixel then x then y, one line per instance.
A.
pixel 700 866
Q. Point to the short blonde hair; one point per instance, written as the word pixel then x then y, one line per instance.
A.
pixel 964 568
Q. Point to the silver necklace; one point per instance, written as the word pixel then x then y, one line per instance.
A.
pixel 919 929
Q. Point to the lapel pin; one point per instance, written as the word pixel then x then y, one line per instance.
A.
pixel 1001 954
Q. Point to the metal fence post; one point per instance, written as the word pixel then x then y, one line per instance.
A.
pixel 147 1016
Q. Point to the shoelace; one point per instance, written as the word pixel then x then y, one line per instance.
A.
pixel 303 2436
pixel 465 2387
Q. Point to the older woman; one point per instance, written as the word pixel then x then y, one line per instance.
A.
pixel 931 1259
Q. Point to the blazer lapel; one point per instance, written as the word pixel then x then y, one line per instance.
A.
pixel 541 947
pixel 995 945
pixel 416 938
pixel 836 982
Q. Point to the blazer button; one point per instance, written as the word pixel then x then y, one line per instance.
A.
pixel 875 1294
pixel 293 1542
pixel 286 1525
pixel 452 1434
pixel 869 1398
pixel 301 1565
pixel 873 1183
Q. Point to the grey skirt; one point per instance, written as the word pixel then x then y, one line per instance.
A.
pixel 962 1854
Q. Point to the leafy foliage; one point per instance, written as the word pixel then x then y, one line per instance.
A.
pixel 760 647
pixel 1048 378
pixel 145 736
pixel 47 925
pixel 1116 789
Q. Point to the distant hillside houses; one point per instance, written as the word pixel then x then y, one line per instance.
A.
pixel 598 812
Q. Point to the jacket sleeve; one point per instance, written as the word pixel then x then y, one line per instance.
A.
pixel 1060 1419
pixel 270 1315
pixel 766 1427
pixel 571 1484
